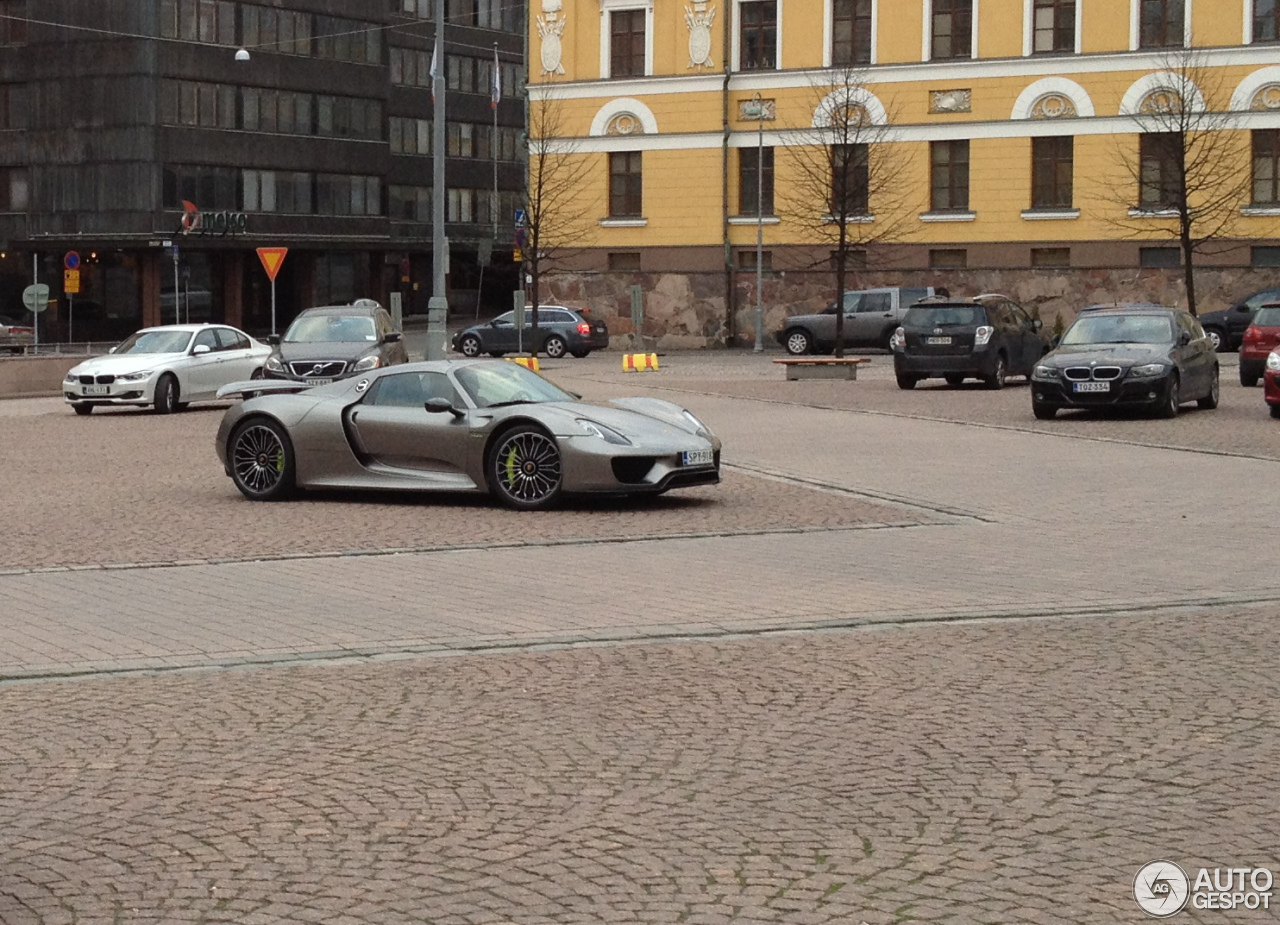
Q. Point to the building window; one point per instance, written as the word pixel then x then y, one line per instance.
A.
pixel 1159 180
pixel 950 176
pixel 1051 172
pixel 1265 257
pixel 625 185
pixel 342 194
pixel 1161 23
pixel 850 180
pixel 13 29
pixel 951 259
pixel 952 29
pixel 15 189
pixel 409 136
pixel 758 35
pixel 1266 167
pixel 752 169
pixel 625 262
pixel 1266 20
pixel 1159 257
pixel 13 106
pixel 747 260
pixel 1054 26
pixel 1051 256
pixel 409 203
pixel 851 32
pixel 626 43
pixel 210 21
pixel 266 28
pixel 423 9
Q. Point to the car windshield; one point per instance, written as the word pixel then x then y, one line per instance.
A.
pixel 1120 329
pixel 493 384
pixel 941 316
pixel 155 342
pixel 1268 317
pixel 331 329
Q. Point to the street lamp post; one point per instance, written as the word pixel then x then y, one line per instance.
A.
pixel 438 304
pixel 759 223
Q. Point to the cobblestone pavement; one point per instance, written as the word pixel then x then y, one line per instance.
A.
pixel 898 667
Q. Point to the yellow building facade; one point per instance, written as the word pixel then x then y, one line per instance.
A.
pixel 1008 135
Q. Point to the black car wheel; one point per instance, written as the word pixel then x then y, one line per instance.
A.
pixel 524 469
pixel 998 378
pixel 1043 412
pixel 1218 338
pixel 1172 399
pixel 954 379
pixel 1210 401
pixel 798 342
pixel 256 374
pixel 469 346
pixel 262 463
pixel 1275 411
pixel 166 395
pixel 579 354
pixel 82 407
pixel 1248 378
pixel 555 347
pixel 906 382
pixel 497 353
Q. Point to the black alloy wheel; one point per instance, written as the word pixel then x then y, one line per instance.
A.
pixel 798 342
pixel 82 408
pixel 262 460
pixel 555 347
pixel 1172 402
pixel 257 373
pixel 525 469
pixel 1043 412
pixel 469 346
pixel 167 395
pixel 954 379
pixel 579 354
pixel 1218 338
pixel 1275 410
pixel 906 381
pixel 1248 379
pixel 1210 401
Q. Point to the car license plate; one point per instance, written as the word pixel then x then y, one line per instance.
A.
pixel 1093 387
pixel 319 381
pixel 937 340
pixel 97 390
pixel 698 457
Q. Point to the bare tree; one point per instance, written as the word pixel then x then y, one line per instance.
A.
pixel 1190 169
pixel 850 189
pixel 558 200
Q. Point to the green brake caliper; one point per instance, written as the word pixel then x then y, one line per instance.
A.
pixel 280 460
pixel 511 466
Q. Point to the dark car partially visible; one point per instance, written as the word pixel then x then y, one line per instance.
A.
pixel 335 341
pixel 15 336
pixel 1151 358
pixel 989 337
pixel 560 330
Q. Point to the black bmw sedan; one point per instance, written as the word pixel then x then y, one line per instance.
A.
pixel 1154 358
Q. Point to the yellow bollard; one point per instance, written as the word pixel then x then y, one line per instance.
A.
pixel 639 362
pixel 530 362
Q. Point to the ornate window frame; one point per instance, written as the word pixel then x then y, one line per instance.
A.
pixel 624 106
pixel 1131 104
pixel 1024 107
pixel 607 9
pixel 736 49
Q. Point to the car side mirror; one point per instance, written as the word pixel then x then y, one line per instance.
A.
pixel 442 406
pixel 1037 324
pixel 393 338
pixel 112 350
pixel 273 340
pixel 1184 338
pixel 200 350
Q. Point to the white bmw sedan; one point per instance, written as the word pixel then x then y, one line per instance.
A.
pixel 167 367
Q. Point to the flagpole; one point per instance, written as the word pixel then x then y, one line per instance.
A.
pixel 495 95
pixel 438 305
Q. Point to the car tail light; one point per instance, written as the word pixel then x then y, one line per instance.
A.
pixel 584 328
pixel 982 336
pixel 1252 333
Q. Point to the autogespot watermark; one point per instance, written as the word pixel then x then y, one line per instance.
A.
pixel 1162 888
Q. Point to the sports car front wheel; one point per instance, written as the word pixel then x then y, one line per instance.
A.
pixel 262 462
pixel 524 469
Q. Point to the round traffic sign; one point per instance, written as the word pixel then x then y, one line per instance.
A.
pixel 36 298
pixel 71 261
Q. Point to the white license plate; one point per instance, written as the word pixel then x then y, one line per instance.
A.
pixel 1092 387
pixel 937 340
pixel 698 457
pixel 319 381
pixel 97 390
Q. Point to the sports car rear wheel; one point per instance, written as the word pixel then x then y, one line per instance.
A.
pixel 524 469
pixel 262 463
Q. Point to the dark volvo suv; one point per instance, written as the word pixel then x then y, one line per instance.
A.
pixel 989 337
pixel 336 341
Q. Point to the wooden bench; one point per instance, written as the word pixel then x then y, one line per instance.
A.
pixel 822 367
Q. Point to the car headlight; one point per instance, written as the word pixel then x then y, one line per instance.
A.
pixel 1273 361
pixel 697 425
pixel 71 376
pixel 982 336
pixel 367 363
pixel 273 363
pixel 1044 373
pixel 607 434
pixel 135 377
pixel 1147 370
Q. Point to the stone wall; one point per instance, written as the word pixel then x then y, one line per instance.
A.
pixel 687 310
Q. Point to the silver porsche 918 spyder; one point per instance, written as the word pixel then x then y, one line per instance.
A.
pixel 458 426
